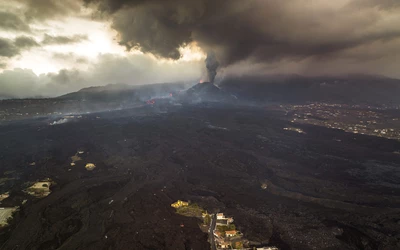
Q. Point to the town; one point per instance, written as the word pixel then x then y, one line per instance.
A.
pixel 381 121
pixel 222 232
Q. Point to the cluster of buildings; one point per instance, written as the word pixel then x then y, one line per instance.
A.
pixel 298 130
pixel 222 231
pixel 222 220
pixel 357 119
pixel 179 204
pixel 226 235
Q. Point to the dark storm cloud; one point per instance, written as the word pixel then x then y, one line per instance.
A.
pixel 47 9
pixel 385 4
pixel 10 21
pixel 60 40
pixel 258 30
pixel 158 27
pixel 10 48
pixel 7 48
pixel 25 42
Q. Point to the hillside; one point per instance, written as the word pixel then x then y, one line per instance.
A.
pixel 353 89
pixel 123 92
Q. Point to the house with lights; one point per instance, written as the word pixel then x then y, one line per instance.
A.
pixel 180 203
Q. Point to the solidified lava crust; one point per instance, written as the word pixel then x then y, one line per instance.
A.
pixel 322 189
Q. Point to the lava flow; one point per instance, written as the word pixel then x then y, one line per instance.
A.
pixel 151 102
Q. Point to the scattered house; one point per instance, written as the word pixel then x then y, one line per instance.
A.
pixel 224 244
pixel 222 220
pixel 231 233
pixel 220 216
pixel 300 131
pixel 90 166
pixel 180 203
pixel 218 234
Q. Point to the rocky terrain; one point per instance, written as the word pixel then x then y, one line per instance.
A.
pixel 99 168
pixel 321 189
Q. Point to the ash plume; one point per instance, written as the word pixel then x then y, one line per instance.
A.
pixel 258 31
pixel 212 65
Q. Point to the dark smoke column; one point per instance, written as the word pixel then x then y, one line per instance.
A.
pixel 212 66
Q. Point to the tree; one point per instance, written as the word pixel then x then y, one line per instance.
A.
pixel 207 220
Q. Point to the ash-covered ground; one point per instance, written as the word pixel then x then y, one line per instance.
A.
pixel 322 188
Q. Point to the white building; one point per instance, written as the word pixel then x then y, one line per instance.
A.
pixel 222 220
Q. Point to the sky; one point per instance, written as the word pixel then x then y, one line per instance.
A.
pixel 52 47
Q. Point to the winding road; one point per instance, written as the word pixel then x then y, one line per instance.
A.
pixel 211 231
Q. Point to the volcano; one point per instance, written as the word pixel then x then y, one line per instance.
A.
pixel 207 92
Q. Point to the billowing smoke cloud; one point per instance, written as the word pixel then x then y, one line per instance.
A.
pixel 211 65
pixel 256 30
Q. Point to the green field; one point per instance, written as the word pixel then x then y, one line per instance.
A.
pixel 193 210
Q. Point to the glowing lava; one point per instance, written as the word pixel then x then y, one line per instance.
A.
pixel 152 101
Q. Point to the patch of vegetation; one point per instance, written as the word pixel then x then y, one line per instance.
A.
pixel 222 229
pixel 193 210
pixel 207 220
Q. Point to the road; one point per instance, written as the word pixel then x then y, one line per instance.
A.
pixel 211 231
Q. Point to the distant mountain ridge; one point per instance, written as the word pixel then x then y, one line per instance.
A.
pixel 272 88
pixel 123 92
pixel 296 88
pixel 108 87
